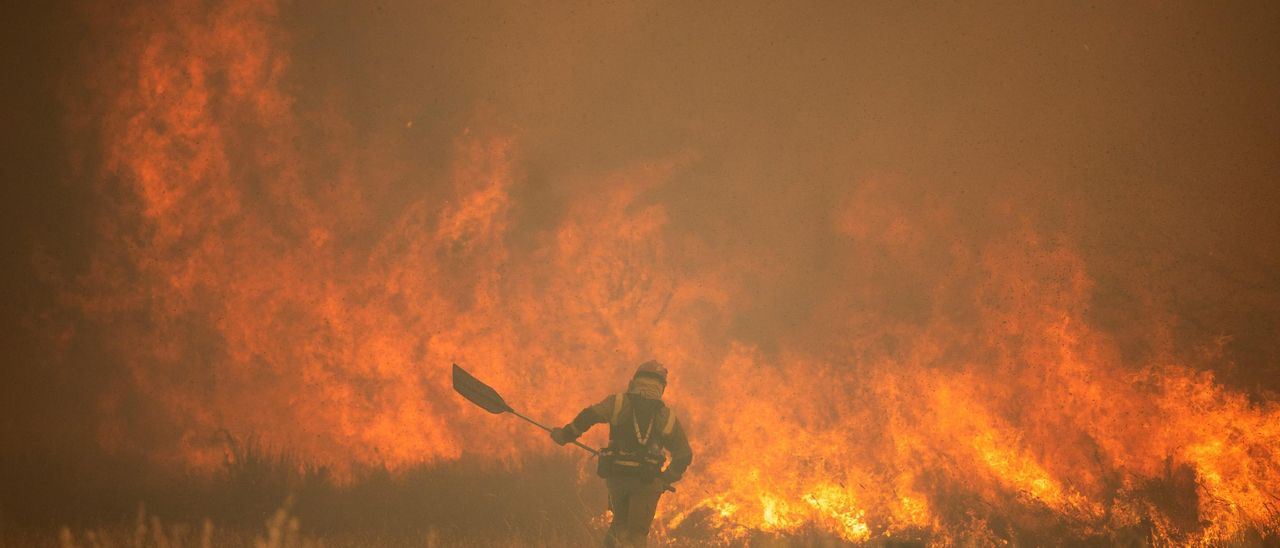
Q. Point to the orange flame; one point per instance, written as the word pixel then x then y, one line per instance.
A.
pixel 259 273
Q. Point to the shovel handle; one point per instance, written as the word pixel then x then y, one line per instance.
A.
pixel 540 425
pixel 666 487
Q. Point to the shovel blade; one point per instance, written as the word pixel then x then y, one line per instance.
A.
pixel 478 392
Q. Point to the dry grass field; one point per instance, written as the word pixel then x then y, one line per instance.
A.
pixel 259 499
pixel 262 499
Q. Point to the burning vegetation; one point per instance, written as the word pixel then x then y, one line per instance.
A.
pixel 887 353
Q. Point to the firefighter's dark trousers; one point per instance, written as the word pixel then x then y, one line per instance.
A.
pixel 633 502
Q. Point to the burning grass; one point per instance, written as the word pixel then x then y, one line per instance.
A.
pixel 269 500
pixel 915 365
pixel 264 499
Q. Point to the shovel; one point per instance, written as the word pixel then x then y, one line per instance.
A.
pixel 488 399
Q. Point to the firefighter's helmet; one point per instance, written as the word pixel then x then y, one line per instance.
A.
pixel 653 369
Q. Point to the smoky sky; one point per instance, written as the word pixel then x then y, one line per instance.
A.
pixel 1146 133
pixel 1145 130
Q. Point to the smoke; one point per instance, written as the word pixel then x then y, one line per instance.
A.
pixel 897 258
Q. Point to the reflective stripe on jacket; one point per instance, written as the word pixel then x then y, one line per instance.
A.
pixel 626 412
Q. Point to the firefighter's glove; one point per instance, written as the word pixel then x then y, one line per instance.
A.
pixel 560 436
pixel 667 478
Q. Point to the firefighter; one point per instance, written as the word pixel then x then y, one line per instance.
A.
pixel 641 428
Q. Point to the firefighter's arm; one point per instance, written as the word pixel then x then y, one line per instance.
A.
pixel 589 417
pixel 681 454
